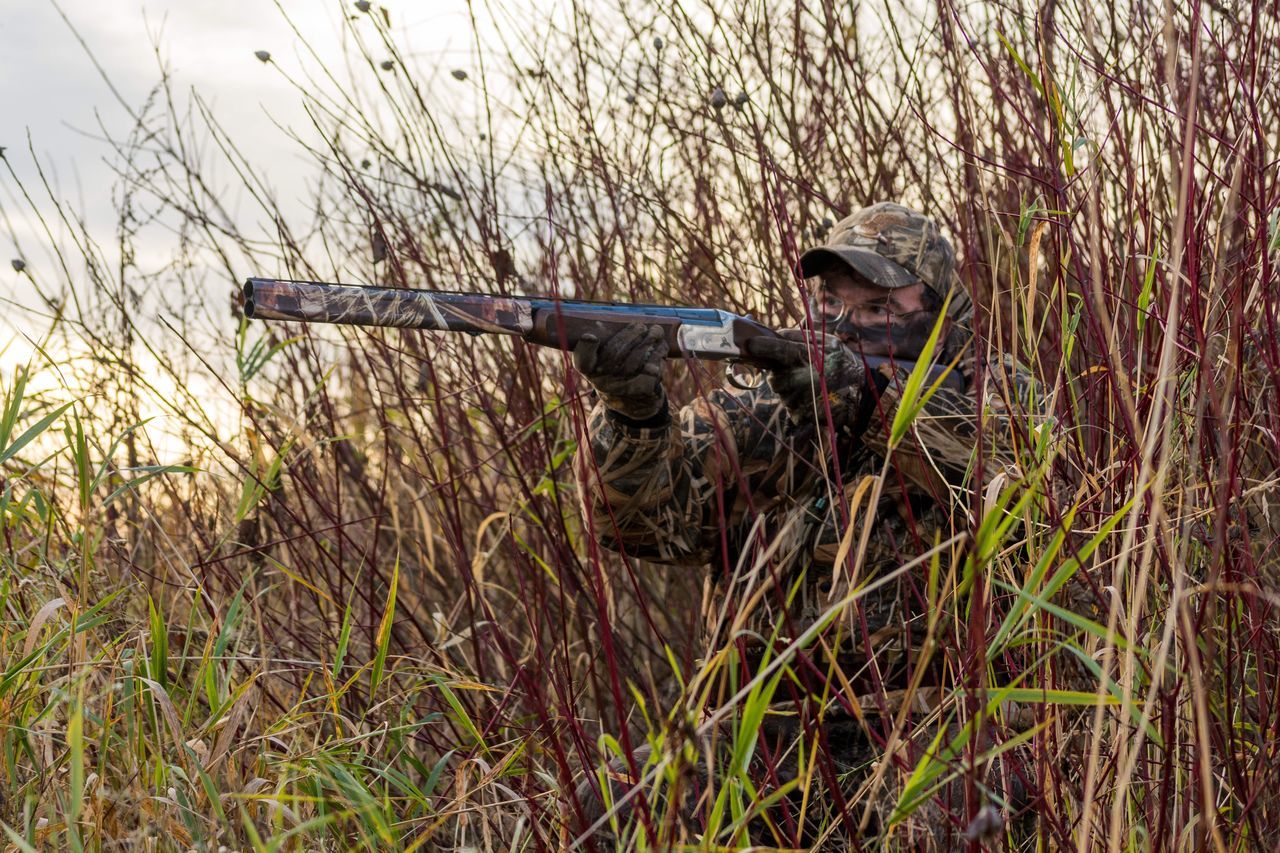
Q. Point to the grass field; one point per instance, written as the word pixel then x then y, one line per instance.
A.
pixel 274 587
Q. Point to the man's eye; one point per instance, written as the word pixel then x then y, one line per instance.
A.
pixel 831 307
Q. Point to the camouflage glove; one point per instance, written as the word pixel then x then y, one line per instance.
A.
pixel 625 368
pixel 795 378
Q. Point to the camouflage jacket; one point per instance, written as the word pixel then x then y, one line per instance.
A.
pixel 733 483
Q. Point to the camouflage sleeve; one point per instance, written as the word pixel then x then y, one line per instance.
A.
pixel 662 493
pixel 941 447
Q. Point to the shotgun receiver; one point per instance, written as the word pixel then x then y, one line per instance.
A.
pixel 703 333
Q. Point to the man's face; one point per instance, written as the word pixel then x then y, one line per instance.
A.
pixel 870 319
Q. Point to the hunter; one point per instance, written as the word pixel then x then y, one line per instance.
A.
pixel 757 483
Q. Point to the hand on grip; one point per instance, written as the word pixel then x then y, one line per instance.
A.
pixel 800 367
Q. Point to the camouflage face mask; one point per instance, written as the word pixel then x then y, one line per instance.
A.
pixel 906 332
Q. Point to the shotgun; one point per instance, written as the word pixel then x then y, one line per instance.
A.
pixel 702 333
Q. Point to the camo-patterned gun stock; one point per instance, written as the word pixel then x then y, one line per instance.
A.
pixel 355 305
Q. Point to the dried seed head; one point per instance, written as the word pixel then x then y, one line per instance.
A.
pixel 387 65
pixel 362 5
pixel 718 99
pixel 629 98
pixel 740 100
pixel 263 55
pixel 446 190
pixel 986 823
pixel 658 42
pixel 364 164
pixel 458 74
pixel 18 264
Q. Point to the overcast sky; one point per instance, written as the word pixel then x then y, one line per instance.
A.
pixel 54 99
pixel 54 104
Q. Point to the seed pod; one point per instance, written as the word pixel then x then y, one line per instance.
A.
pixel 364 164
pixel 658 42
pixel 263 55
pixel 986 823
pixel 718 99
pixel 446 190
pixel 18 264
pixel 458 74
pixel 362 5
pixel 740 100
pixel 387 65
pixel 629 98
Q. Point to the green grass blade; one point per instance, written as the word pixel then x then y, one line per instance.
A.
pixel 344 639
pixel 913 397
pixel 1036 695
pixel 32 433
pixel 159 656
pixel 384 631
pixel 75 795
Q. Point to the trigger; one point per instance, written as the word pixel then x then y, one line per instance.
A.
pixel 743 376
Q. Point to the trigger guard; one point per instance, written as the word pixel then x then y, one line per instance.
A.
pixel 733 379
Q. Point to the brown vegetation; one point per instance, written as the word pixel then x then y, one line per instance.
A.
pixel 363 612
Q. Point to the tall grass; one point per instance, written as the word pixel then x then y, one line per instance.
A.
pixel 358 607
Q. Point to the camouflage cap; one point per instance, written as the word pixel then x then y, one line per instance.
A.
pixel 889 245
